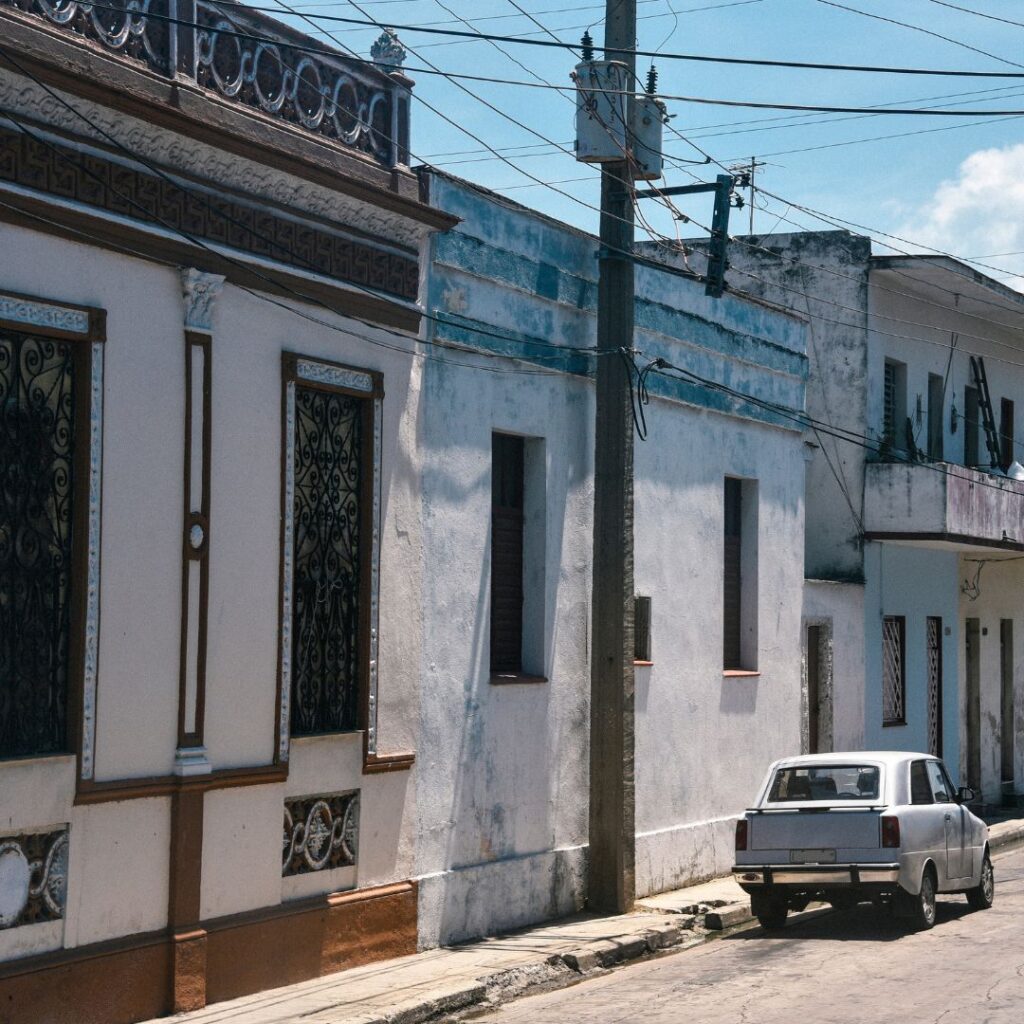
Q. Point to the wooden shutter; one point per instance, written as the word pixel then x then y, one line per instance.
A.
pixel 506 553
pixel 731 572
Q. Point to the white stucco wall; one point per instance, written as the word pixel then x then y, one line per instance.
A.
pixel 998 596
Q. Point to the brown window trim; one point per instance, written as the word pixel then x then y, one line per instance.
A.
pixel 373 761
pixel 642 664
pixel 95 332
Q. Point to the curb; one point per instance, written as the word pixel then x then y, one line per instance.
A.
pixel 1005 834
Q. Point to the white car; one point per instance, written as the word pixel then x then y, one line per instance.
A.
pixel 868 825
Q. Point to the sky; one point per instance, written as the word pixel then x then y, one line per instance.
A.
pixel 917 183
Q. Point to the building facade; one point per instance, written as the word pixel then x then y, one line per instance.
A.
pixel 209 273
pixel 913 523
pixel 719 487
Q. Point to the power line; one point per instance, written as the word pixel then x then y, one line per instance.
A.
pixel 574 46
pixel 979 14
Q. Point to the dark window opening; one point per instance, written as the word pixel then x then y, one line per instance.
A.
pixel 641 628
pixel 733 554
pixel 1006 455
pixel 507 521
pixel 37 485
pixel 936 390
pixel 894 670
pixel 972 417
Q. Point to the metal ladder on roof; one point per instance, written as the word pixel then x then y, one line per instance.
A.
pixel 988 419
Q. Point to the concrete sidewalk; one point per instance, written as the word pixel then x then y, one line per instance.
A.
pixel 482 974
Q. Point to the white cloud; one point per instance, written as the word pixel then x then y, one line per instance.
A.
pixel 979 212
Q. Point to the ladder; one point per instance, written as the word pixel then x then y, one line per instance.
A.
pixel 988 419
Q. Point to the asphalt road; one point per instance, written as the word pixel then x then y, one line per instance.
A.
pixel 857 967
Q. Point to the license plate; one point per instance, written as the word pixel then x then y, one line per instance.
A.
pixel 812 856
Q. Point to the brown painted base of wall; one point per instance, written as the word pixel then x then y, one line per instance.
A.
pixel 143 977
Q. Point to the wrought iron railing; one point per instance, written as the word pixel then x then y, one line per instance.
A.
pixel 249 59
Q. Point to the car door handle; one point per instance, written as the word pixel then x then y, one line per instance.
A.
pixel 949 817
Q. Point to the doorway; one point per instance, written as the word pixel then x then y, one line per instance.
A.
pixel 973 633
pixel 1008 754
pixel 817 689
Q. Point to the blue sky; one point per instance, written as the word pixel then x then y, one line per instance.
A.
pixel 957 190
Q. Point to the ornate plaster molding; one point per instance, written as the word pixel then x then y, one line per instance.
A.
pixel 200 292
pixel 175 153
pixel 43 314
pixel 336 376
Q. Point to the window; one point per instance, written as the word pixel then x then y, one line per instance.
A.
pixel 936 390
pixel 507 520
pixel 941 787
pixel 642 629
pixel 920 787
pixel 972 417
pixel 328 636
pixel 50 366
pixel 894 407
pixel 518 537
pixel 894 680
pixel 1006 455
pixel 739 565
pixel 933 654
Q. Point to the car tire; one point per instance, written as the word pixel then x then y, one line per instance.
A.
pixel 922 905
pixel 981 896
pixel 770 913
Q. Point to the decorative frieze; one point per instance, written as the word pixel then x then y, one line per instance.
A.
pixel 43 314
pixel 33 877
pixel 335 376
pixel 126 192
pixel 320 832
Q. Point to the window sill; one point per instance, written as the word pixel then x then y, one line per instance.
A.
pixel 894 725
pixel 642 664
pixel 739 673
pixel 506 678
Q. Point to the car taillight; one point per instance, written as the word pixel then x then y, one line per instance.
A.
pixel 890 831
pixel 741 834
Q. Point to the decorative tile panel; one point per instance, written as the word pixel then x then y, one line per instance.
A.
pixel 33 877
pixel 320 832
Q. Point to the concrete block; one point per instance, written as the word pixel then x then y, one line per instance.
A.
pixel 434 1006
pixel 582 960
pixel 663 936
pixel 726 917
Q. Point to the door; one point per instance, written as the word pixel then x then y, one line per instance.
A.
pixel 818 679
pixel 973 632
pixel 1006 702
pixel 954 819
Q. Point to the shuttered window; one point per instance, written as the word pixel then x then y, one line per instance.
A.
pixel 507 476
pixel 733 554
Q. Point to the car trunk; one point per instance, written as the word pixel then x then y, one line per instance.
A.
pixel 817 828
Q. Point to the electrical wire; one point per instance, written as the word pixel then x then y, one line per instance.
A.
pixel 978 14
pixel 367 21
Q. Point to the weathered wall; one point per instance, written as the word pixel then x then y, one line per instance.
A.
pixel 503 809
pixel 915 582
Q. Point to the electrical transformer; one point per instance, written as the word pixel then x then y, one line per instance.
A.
pixel 601 91
pixel 649 116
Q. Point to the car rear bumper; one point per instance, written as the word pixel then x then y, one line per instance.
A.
pixel 753 877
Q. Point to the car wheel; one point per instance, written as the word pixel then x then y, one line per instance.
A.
pixel 770 913
pixel 922 905
pixel 980 897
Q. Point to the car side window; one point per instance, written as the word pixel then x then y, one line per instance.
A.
pixel 920 785
pixel 939 783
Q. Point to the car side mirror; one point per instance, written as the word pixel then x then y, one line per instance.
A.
pixel 964 795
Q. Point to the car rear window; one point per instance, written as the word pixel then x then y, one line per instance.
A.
pixel 825 783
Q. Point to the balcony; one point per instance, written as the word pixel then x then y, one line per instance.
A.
pixel 943 504
pixel 251 61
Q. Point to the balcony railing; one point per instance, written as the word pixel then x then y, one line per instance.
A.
pixel 253 61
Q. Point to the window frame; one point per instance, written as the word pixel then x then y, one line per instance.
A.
pixel 314 372
pixel 84 327
pixel 901 621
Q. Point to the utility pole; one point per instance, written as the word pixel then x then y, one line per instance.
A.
pixel 611 885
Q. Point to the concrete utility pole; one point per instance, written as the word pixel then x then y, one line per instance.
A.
pixel 611 874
